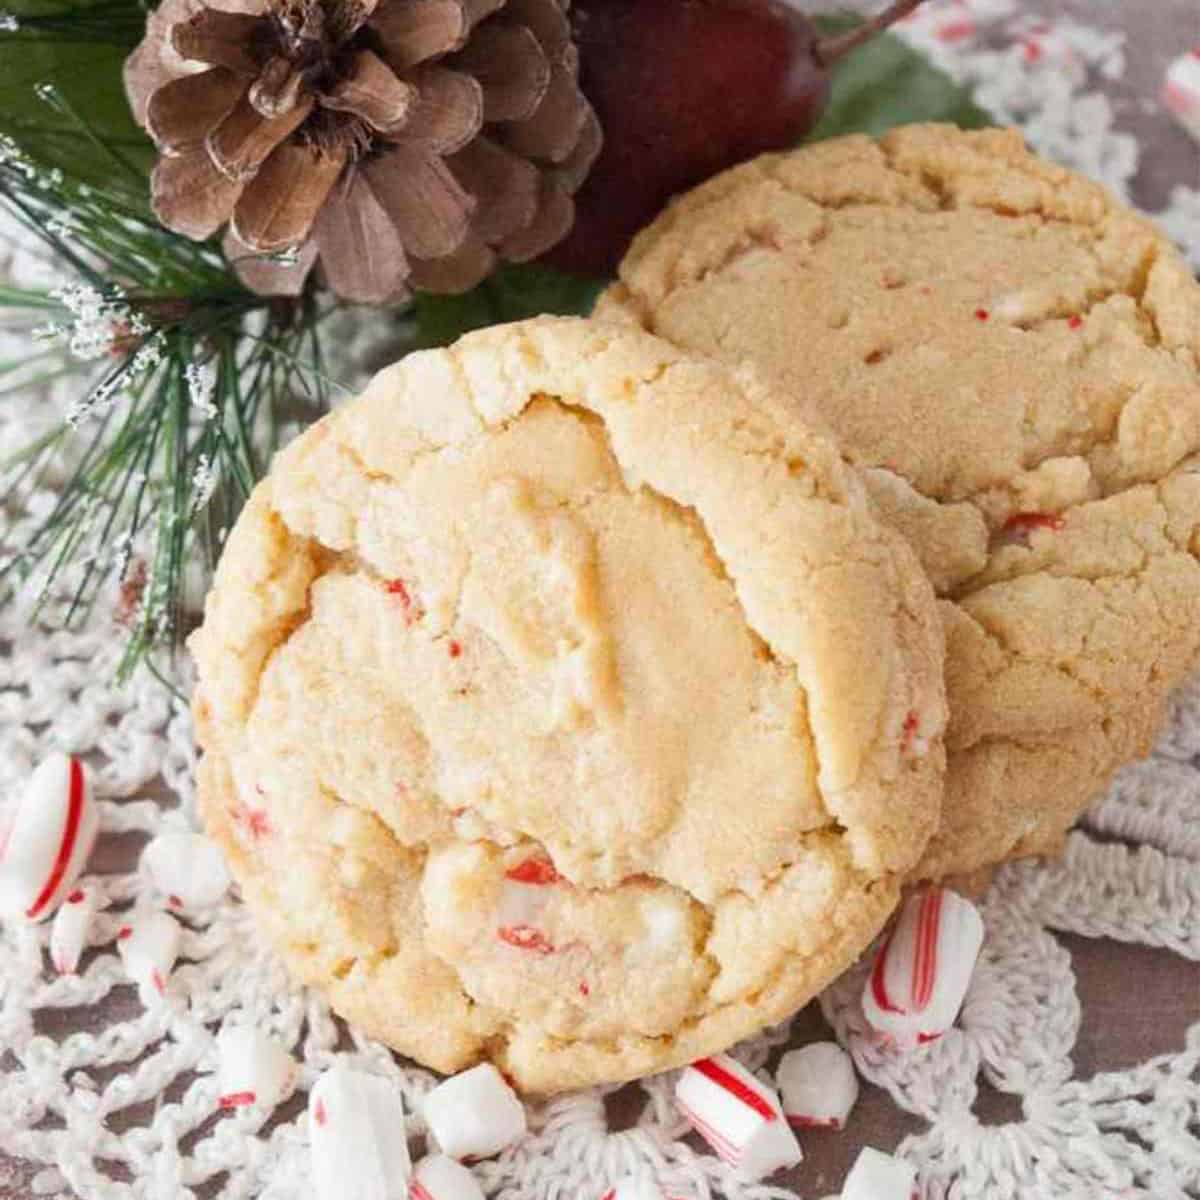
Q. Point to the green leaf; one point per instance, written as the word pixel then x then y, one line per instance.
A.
pixel 884 83
pixel 513 293
pixel 61 92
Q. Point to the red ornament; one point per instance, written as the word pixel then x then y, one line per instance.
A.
pixel 685 89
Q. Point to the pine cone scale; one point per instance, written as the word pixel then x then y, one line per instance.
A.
pixel 277 90
pixel 574 169
pixel 429 207
pixel 552 222
pixel 449 112
pixel 479 10
pixel 547 21
pixel 362 255
pixel 245 139
pixel 455 273
pixel 511 68
pixel 504 185
pixel 181 113
pixel 414 32
pixel 277 209
pixel 373 93
pixel 191 195
pixel 554 130
pixel 271 276
pixel 222 39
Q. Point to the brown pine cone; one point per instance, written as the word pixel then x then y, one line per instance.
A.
pixel 403 143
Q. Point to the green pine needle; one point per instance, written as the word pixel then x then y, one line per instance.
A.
pixel 185 383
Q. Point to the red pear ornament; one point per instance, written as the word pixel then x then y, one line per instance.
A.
pixel 685 89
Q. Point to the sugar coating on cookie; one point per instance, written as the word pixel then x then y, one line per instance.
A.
pixel 1011 357
pixel 565 705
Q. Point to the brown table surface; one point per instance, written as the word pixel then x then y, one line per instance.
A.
pixel 1121 1027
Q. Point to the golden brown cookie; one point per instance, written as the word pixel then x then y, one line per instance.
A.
pixel 565 704
pixel 1011 358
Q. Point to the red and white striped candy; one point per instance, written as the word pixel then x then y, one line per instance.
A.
pixel 1181 91
pixel 527 889
pixel 924 967
pixel 188 869
pixel 253 1068
pixel 818 1085
pixel 879 1176
pixel 50 836
pixel 68 933
pixel 149 946
pixel 474 1114
pixel 440 1178
pixel 356 1132
pixel 739 1117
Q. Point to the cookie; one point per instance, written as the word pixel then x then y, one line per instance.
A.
pixel 566 705
pixel 1010 356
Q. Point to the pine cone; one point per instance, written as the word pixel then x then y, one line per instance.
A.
pixel 403 143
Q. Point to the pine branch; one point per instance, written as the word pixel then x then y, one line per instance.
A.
pixel 184 381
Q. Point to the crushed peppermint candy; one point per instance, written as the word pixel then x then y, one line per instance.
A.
pixel 474 1114
pixel 255 822
pixel 69 932
pixel 923 969
pixel 1046 44
pixel 738 1116
pixel 357 1137
pixel 879 1176
pixel 440 1178
pixel 1181 91
pixel 186 868
pixel 253 1068
pixel 818 1085
pixel 149 946
pixel 536 871
pixel 525 937
pixel 410 607
pixel 1021 525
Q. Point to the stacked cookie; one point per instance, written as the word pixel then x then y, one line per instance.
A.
pixel 1012 361
pixel 575 700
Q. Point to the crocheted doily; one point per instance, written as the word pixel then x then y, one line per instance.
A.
pixel 114 1101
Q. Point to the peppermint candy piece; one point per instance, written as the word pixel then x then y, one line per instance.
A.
pixel 527 889
pixel 356 1131
pixel 1181 91
pixel 1046 45
pixel 254 1068
pixel 50 836
pixel 818 1085
pixel 441 1178
pixel 149 946
pixel 68 933
pixel 924 967
pixel 187 868
pixel 879 1176
pixel 739 1117
pixel 474 1114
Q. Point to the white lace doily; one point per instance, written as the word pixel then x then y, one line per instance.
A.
pixel 112 1101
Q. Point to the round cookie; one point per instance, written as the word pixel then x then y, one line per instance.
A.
pixel 565 704
pixel 1011 357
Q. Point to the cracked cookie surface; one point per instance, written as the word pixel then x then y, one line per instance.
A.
pixel 564 703
pixel 1011 358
